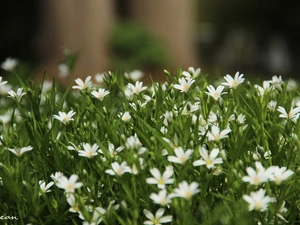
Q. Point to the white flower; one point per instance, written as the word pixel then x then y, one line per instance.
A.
pixel 55 177
pixel 281 211
pixel 241 119
pixel 255 177
pixel 158 219
pixel 2 82
pixel 234 82
pixel 272 106
pixel 135 75
pixel 189 108
pixel 191 73
pixel 215 93
pixel 216 135
pixel 181 156
pixel 126 117
pixel 83 85
pixel 161 180
pixel 293 113
pixel 89 151
pixel 277 82
pixel 133 142
pixel 208 160
pixel 291 85
pixel 100 94
pixel 63 70
pixel 279 174
pixel 186 190
pixel 18 96
pixel 112 151
pixel 258 201
pixel 118 169
pixel 72 202
pixel 20 151
pixel 9 64
pixel 128 93
pixel 45 188
pixel 137 88
pixel 99 77
pixel 162 198
pixel 73 147
pixel 184 85
pixel 69 185
pixel 264 89
pixel 63 117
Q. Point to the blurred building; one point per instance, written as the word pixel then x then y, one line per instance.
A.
pixel 84 27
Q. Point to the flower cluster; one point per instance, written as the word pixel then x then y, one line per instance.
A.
pixel 114 149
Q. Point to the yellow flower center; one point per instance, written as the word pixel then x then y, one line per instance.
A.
pixel 161 181
pixel 119 171
pixel 185 87
pixel 182 159
pixel 69 187
pixel 209 162
pixel 256 180
pixel 155 221
pixel 257 205
pixel 235 83
pixel 188 194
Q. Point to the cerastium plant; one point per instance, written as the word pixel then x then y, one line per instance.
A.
pixel 186 151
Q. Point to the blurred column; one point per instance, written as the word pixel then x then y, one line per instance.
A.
pixel 173 21
pixel 81 26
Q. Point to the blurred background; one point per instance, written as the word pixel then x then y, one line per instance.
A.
pixel 253 37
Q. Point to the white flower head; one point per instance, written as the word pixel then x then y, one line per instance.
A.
pixel 161 179
pixel 292 115
pixel 112 151
pixel 233 82
pixel 278 175
pixel 158 219
pixel 208 159
pixel 184 85
pixel 82 85
pixel 272 106
pixel 215 93
pixel 2 83
pixel 100 94
pixel 135 75
pixel 258 201
pixel 63 70
pixel 137 88
pixel 16 95
pixel 126 117
pixel 277 82
pixel 162 198
pixel 186 190
pixel 9 64
pixel 99 77
pixel 181 156
pixel 258 176
pixel 73 147
pixel 191 73
pixel 216 134
pixel 20 151
pixel 264 89
pixel 65 118
pixel 190 108
pixel 45 188
pixel 72 202
pixel 55 177
pixel 118 169
pixel 88 150
pixel 69 185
